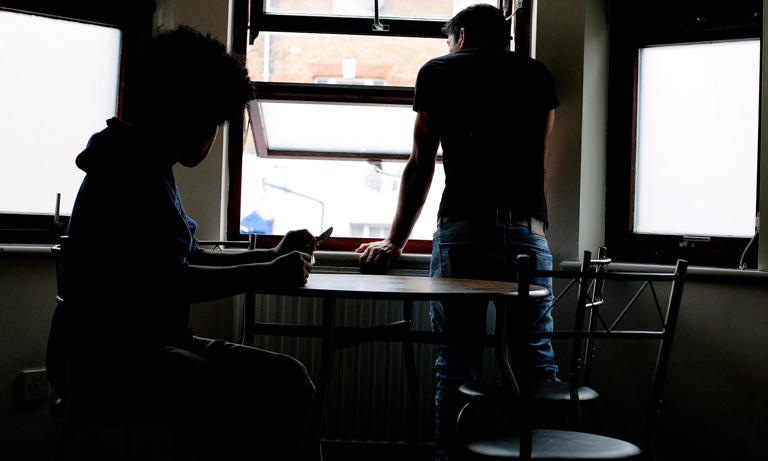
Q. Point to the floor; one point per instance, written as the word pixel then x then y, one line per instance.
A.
pixel 376 451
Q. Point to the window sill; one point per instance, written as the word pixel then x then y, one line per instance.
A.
pixel 348 262
pixel 695 273
pixel 25 249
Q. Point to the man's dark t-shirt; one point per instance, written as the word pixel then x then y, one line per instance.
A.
pixel 490 106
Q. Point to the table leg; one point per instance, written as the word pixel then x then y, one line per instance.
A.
pixel 409 355
pixel 521 343
pixel 321 386
pixel 248 317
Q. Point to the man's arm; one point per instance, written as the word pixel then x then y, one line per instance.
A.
pixel 295 240
pixel 206 257
pixel 414 187
pixel 206 283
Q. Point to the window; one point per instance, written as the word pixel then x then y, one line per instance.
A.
pixel 685 99
pixel 55 94
pixel 326 139
pixel 60 70
pixel 697 121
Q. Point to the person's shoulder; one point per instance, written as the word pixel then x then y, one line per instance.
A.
pixel 434 68
pixel 438 62
pixel 524 60
pixel 524 65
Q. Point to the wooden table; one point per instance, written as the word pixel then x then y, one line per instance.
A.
pixel 329 287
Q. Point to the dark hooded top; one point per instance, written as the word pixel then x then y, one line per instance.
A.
pixel 129 243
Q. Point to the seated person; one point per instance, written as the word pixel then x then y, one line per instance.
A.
pixel 133 267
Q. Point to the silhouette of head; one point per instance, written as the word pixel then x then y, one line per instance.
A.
pixel 483 26
pixel 187 78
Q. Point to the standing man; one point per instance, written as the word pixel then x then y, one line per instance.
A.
pixel 493 112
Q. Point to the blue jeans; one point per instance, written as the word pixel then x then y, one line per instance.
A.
pixel 469 249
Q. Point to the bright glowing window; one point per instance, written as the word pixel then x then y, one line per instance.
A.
pixel 58 84
pixel 357 198
pixel 332 122
pixel 697 139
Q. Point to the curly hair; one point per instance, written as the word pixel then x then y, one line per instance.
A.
pixel 184 74
pixel 484 27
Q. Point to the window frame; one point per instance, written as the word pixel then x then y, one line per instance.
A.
pixel 135 24
pixel 249 19
pixel 631 31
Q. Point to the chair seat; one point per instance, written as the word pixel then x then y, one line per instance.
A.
pixel 546 391
pixel 560 392
pixel 479 390
pixel 549 444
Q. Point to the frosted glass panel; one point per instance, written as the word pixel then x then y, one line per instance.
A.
pixel 345 128
pixel 697 122
pixel 58 84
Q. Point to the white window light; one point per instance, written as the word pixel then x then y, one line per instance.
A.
pixel 58 84
pixel 360 130
pixel 697 139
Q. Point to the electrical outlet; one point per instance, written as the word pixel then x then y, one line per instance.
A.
pixel 35 384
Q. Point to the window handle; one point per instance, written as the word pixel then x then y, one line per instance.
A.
pixel 377 25
pixel 510 7
pixel 56 215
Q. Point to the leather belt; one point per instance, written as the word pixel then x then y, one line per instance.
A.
pixel 536 226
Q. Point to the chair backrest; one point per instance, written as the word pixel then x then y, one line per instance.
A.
pixel 664 333
pixel 590 279
pixel 589 283
pixel 594 301
pixel 57 360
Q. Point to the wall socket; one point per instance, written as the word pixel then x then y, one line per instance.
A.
pixel 34 384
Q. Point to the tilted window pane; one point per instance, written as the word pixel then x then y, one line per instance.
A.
pixel 306 58
pixel 410 9
pixel 338 128
pixel 58 84
pixel 697 127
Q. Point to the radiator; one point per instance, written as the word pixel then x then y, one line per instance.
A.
pixel 367 395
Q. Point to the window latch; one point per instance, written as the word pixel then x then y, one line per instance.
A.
pixel 692 240
pixel 510 7
pixel 57 224
pixel 377 25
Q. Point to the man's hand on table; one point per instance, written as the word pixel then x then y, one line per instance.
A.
pixel 291 269
pixel 376 256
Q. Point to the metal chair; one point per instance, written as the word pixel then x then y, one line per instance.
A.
pixel 524 441
pixel 85 434
pixel 566 397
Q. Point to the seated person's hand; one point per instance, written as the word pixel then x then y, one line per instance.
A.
pixel 296 240
pixel 376 256
pixel 291 269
